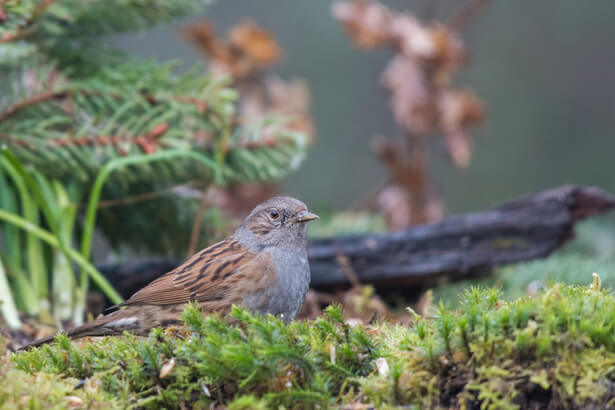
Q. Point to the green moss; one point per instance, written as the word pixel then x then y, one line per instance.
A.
pixel 556 349
pixel 40 390
pixel 284 365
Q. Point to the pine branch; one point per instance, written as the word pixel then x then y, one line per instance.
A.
pixel 19 105
pixel 20 30
pixel 52 19
pixel 70 105
pixel 60 95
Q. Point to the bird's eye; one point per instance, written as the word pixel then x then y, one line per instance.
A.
pixel 274 214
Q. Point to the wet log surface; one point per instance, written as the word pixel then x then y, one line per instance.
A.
pixel 526 228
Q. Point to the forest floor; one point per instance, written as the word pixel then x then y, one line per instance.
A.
pixel 535 335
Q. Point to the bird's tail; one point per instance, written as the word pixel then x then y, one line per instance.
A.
pixel 98 327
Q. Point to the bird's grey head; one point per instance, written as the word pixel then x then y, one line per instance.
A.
pixel 280 221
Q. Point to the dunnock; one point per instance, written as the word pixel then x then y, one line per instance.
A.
pixel 263 266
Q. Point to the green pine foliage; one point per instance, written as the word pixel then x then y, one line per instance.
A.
pixel 82 124
pixel 554 350
pixel 72 105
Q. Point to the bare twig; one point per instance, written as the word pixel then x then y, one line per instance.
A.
pixel 133 199
pixel 265 142
pixel 344 264
pixel 196 226
pixel 137 198
pixel 408 168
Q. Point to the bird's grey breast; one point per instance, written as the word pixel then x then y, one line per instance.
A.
pixel 291 283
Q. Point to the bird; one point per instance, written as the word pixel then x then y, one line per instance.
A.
pixel 263 266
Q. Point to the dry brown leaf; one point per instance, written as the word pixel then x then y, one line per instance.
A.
pixel 458 148
pixel 249 48
pixel 425 306
pixel 73 401
pixel 458 110
pixel 202 34
pixel 414 39
pixel 367 23
pixel 418 81
pixel 167 368
pixel 255 43
pixel 410 95
pixel 433 44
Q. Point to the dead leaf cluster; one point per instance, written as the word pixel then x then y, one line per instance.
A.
pixel 246 52
pixel 424 101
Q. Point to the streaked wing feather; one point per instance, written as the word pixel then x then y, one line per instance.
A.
pixel 201 278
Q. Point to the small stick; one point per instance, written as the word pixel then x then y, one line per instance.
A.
pixel 345 266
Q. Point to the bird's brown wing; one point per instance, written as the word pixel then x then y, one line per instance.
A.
pixel 205 277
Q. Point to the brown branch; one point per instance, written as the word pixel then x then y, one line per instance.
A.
pixel 130 199
pixel 408 168
pixel 262 143
pixel 150 141
pixel 346 268
pixel 464 15
pixel 133 199
pixel 52 95
pixel 18 106
pixel 145 143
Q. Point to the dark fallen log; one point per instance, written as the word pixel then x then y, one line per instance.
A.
pixel 522 229
pixel 526 228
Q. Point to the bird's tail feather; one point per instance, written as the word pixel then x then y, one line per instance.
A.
pixel 98 327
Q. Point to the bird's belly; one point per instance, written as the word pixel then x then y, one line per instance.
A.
pixel 286 295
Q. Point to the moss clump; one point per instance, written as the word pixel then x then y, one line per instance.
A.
pixel 39 390
pixel 262 358
pixel 556 349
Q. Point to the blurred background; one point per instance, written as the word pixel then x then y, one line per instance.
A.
pixel 545 72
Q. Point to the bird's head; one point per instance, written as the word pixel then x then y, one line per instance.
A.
pixel 280 221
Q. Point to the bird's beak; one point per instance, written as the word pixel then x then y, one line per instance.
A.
pixel 305 216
